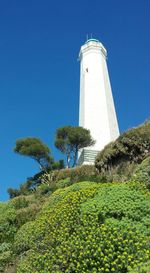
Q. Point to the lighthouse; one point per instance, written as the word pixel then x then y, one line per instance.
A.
pixel 96 111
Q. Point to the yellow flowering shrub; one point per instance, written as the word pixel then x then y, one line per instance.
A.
pixel 87 228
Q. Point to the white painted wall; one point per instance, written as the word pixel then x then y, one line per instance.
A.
pixel 97 110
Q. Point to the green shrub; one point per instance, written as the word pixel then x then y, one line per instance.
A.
pixel 121 205
pixel 142 173
pixel 75 174
pixel 63 183
pixel 61 194
pixel 26 208
pixel 27 214
pixel 86 228
pixel 67 177
pixel 7 222
pixel 124 153
pixel 24 238
pixel 5 255
pixel 141 268
pixel 45 188
pixel 20 202
pixel 103 249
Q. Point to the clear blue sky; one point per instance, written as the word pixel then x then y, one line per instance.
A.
pixel 39 72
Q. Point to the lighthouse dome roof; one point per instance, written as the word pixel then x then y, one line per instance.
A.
pixel 92 40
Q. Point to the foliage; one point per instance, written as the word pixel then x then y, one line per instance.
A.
pixel 69 140
pixel 13 215
pixel 87 227
pixel 27 214
pixel 128 150
pixel 57 225
pixel 7 232
pixel 5 255
pixel 46 183
pixel 20 202
pixel 7 222
pixel 58 165
pixel 34 148
pixel 142 173
pixel 121 205
pixel 32 183
pixel 77 174
pixel 141 268
pixel 13 192
pixel 67 177
pixel 46 189
pixel 24 189
pixel 27 208
pixel 64 183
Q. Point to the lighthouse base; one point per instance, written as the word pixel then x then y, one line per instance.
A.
pixel 87 157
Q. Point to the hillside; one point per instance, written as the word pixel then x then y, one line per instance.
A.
pixel 84 219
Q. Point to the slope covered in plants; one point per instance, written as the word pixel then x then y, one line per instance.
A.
pixel 57 225
pixel 87 227
pixel 121 156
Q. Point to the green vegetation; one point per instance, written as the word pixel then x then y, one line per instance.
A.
pixel 120 157
pixel 34 148
pixel 13 215
pixel 142 173
pixel 69 140
pixel 57 224
pixel 141 268
pixel 87 227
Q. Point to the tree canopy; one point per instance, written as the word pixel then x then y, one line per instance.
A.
pixel 70 139
pixel 34 148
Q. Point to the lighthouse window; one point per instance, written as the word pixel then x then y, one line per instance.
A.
pixel 87 70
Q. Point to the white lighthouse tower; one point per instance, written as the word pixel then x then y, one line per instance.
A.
pixel 97 110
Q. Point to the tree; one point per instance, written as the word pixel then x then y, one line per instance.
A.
pixel 34 148
pixel 33 182
pixel 13 192
pixel 69 140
